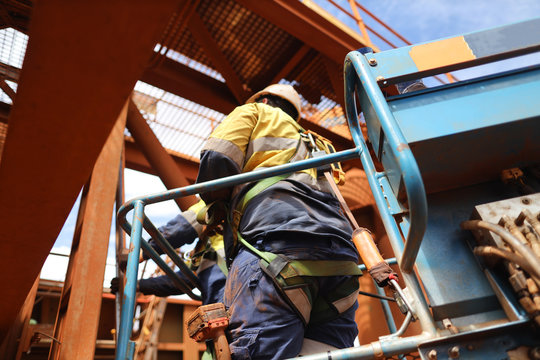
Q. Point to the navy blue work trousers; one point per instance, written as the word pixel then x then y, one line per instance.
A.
pixel 262 324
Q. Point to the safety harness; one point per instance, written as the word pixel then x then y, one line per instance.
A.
pixel 206 253
pixel 295 279
pixel 207 257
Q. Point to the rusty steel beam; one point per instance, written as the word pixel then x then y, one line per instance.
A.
pixel 360 22
pixel 101 48
pixel 26 315
pixel 9 72
pixel 219 60
pixel 12 345
pixel 335 73
pixel 15 15
pixel 156 155
pixel 80 304
pixel 120 240
pixel 5 17
pixel 191 84
pixel 135 159
pixel 4 112
pixel 291 64
pixel 307 25
pixel 204 90
pixel 7 89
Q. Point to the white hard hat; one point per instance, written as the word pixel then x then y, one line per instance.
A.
pixel 284 91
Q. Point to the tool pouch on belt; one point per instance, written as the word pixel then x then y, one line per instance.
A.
pixel 294 279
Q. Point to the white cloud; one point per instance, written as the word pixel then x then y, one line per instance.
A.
pixel 55 266
pixel 424 20
pixel 138 184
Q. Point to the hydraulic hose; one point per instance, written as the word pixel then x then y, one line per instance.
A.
pixel 507 255
pixel 527 215
pixel 511 240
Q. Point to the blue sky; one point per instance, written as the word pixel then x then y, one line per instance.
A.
pixel 417 20
pixel 426 20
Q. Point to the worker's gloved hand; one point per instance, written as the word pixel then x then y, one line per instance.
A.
pixel 115 285
pixel 141 286
pixel 215 230
pixel 382 273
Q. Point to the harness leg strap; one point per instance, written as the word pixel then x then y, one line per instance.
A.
pixel 295 296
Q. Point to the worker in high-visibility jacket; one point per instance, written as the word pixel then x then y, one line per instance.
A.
pixel 274 227
pixel 207 262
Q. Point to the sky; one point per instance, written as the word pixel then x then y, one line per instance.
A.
pixel 136 184
pixel 417 20
pixel 427 20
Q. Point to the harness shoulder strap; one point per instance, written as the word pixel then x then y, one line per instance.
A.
pixel 242 203
pixel 221 262
pixel 258 188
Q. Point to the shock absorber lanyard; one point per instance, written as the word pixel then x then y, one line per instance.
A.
pixel 327 170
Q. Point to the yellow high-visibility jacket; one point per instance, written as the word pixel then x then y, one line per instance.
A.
pixel 256 136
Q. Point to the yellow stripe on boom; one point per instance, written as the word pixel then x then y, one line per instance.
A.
pixel 441 53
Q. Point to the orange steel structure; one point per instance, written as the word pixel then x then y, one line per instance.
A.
pixel 74 91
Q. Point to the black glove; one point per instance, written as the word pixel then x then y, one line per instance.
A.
pixel 382 273
pixel 115 285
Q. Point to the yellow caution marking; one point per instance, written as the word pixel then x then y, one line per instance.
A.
pixel 441 53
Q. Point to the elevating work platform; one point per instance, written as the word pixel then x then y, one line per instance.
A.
pixel 466 240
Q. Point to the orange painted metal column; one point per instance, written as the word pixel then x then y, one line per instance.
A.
pixel 120 241
pixel 82 62
pixel 12 345
pixel 157 156
pixel 360 23
pixel 80 304
pixel 25 315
